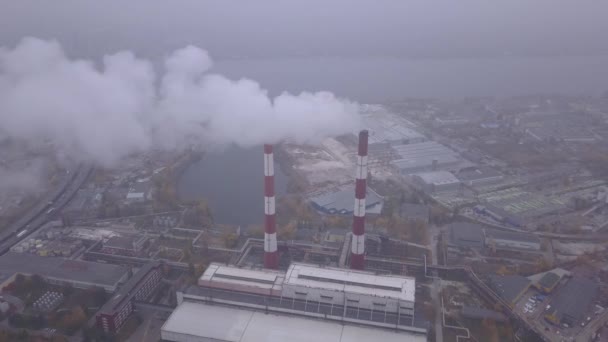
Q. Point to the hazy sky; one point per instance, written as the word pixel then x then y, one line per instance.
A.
pixel 278 28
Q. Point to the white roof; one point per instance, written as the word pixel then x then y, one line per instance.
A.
pixel 190 321
pixel 261 278
pixel 349 281
pixel 438 177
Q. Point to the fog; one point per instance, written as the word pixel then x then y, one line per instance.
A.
pixel 278 28
pixel 102 113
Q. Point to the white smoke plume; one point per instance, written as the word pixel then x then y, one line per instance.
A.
pixel 102 113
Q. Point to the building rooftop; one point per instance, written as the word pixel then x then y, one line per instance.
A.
pixel 438 177
pixel 514 236
pixel 351 281
pixel 127 288
pixel 260 278
pixel 240 325
pixel 571 302
pixel 473 174
pixel 341 200
pixel 509 287
pixel 421 155
pixel 465 234
pixel 122 242
pixel 63 269
pixel 549 280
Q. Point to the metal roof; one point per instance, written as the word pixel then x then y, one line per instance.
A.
pixel 438 177
pixel 63 269
pixel 203 322
pixel 509 287
pixel 423 154
pixel 350 281
pixel 514 236
pixel 467 234
pixel 571 302
pixel 260 278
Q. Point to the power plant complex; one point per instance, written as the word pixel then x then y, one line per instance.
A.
pixel 305 302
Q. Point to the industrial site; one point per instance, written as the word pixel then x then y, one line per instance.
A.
pixel 303 171
pixel 435 222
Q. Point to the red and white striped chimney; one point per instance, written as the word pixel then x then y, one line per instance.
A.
pixel 271 257
pixel 357 255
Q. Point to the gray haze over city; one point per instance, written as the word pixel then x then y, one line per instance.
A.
pixel 441 170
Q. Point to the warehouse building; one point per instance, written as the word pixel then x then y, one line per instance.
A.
pixel 509 287
pixel 425 156
pixel 479 176
pixel 572 302
pixel 77 273
pixel 436 181
pixel 466 235
pixel 193 322
pixel 116 311
pixel 501 239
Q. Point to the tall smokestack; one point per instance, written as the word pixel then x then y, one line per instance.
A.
pixel 357 255
pixel 271 258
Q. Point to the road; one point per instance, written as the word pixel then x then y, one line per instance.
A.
pixel 37 216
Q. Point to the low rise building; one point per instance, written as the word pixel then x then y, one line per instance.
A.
pixel 436 181
pixel 60 271
pixel 509 287
pixel 571 302
pixel 479 176
pixel 466 235
pixel 424 156
pixel 124 245
pixel 116 311
pixel 501 239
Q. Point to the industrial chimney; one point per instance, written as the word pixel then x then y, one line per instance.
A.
pixel 357 255
pixel 271 258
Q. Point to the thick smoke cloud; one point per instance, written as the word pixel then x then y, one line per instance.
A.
pixel 102 113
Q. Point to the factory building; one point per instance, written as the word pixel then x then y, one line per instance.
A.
pixel 116 311
pixel 194 322
pixel 509 287
pixel 266 281
pixel 425 156
pixel 330 294
pixel 77 273
pixel 336 286
pixel 572 302
pixel 124 245
pixel 501 239
pixel 466 235
pixel 479 176
pixel 362 289
pixel 436 181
